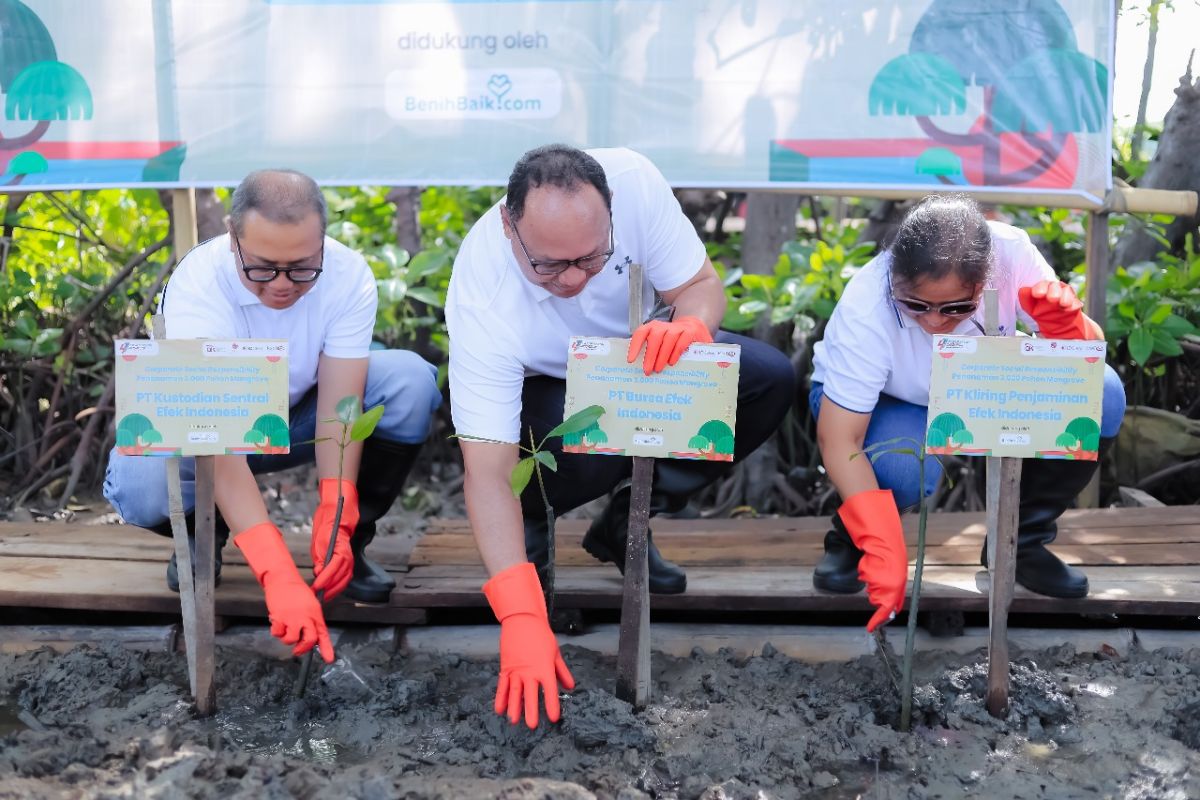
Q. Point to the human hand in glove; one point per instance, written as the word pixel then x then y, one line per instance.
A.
pixel 529 656
pixel 293 609
pixel 873 522
pixel 1057 311
pixel 334 576
pixel 666 341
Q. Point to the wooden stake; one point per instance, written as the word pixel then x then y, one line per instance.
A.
pixel 633 649
pixel 195 594
pixel 1096 307
pixel 1003 502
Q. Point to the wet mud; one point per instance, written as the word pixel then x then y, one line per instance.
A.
pixel 108 722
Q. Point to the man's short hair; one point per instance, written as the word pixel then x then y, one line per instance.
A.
pixel 558 165
pixel 282 196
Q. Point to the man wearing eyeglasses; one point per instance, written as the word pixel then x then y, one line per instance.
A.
pixel 549 261
pixel 276 275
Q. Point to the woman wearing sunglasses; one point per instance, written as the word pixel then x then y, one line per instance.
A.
pixel 871 384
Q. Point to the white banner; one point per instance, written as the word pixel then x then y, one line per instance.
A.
pixel 975 94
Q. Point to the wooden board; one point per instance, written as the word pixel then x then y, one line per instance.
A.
pixel 139 586
pixel 129 543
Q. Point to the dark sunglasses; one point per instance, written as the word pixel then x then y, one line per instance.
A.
pixel 959 308
pixel 263 274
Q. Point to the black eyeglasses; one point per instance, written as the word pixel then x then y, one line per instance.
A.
pixel 264 274
pixel 958 308
pixel 589 264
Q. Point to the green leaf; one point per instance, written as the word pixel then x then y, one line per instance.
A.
pixel 348 409
pixel 427 296
pixel 547 460
pixel 521 474
pixel 1166 344
pixel 577 421
pixel 428 262
pixel 364 426
pixel 1141 345
pixel 1159 314
pixel 1175 325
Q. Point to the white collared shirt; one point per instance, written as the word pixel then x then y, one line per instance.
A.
pixel 870 347
pixel 503 327
pixel 205 299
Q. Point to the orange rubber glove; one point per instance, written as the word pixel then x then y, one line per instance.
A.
pixel 334 576
pixel 873 523
pixel 1057 311
pixel 293 609
pixel 666 341
pixel 529 655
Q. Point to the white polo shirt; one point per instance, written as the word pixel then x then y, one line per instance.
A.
pixel 502 327
pixel 205 299
pixel 871 347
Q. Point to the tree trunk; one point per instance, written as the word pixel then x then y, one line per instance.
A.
pixel 408 224
pixel 1139 126
pixel 770 222
pixel 1175 166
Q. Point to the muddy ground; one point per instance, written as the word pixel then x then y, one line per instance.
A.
pixel 116 723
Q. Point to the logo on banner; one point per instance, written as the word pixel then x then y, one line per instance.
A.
pixel 474 94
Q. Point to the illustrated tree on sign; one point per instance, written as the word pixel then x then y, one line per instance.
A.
pixel 1081 435
pixel 37 86
pixel 270 433
pixel 948 431
pixel 714 437
pixel 1036 85
pixel 135 432
pixel 591 436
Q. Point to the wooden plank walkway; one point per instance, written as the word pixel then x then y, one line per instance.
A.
pixel 123 569
pixel 1139 560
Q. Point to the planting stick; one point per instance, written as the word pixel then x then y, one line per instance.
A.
pixel 306 660
pixel 910 638
pixel 195 595
pixel 633 648
pixel 1002 502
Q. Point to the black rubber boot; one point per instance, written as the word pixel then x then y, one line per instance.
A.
pixel 220 537
pixel 607 536
pixel 837 571
pixel 1048 488
pixel 381 474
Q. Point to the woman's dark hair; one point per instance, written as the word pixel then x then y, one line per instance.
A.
pixel 557 165
pixel 943 234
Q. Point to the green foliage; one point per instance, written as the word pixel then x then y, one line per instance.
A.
pixel 48 90
pixel 1154 305
pixel 412 288
pixel 1066 441
pixel 962 438
pixel 574 430
pixel 595 436
pixel 699 442
pixel 808 280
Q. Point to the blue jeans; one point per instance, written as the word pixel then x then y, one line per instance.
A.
pixel 402 381
pixel 894 418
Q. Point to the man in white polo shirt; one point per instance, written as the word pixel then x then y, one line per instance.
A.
pixel 276 275
pixel 549 261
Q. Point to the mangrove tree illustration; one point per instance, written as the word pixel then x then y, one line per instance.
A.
pixel 269 434
pixel 714 440
pixel 135 432
pixel 1082 435
pixel 946 432
pixel 1038 88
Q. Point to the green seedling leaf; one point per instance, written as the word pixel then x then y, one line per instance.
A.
pixel 1141 345
pixel 521 474
pixel 900 451
pixel 547 460
pixel 364 426
pixel 348 409
pixel 577 421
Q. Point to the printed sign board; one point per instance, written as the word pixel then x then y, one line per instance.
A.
pixel 202 397
pixel 1015 396
pixel 686 411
